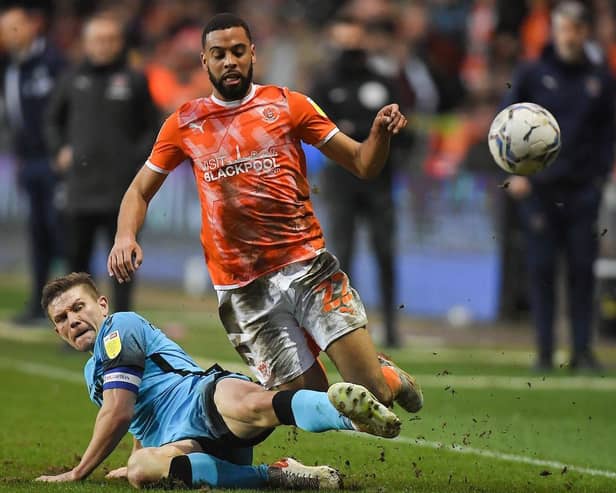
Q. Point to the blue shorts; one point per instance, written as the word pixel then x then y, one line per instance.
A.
pixel 223 443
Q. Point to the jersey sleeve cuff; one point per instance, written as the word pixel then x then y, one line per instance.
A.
pixel 122 377
pixel 325 140
pixel 155 168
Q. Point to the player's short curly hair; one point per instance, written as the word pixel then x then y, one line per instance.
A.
pixel 55 288
pixel 224 21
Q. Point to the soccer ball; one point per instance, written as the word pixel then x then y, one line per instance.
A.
pixel 524 138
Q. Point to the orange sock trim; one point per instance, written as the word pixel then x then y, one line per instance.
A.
pixel 392 379
pixel 322 368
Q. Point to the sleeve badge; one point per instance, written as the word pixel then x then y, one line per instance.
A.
pixel 317 107
pixel 113 344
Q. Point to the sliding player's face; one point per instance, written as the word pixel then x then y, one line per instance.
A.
pixel 77 315
pixel 228 56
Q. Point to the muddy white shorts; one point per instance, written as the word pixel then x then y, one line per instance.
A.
pixel 279 322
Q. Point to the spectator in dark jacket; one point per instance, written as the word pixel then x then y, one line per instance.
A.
pixel 100 125
pixel 29 78
pixel 560 205
pixel 350 93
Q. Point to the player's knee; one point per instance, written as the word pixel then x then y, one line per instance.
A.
pixel 257 407
pixel 141 470
pixel 136 474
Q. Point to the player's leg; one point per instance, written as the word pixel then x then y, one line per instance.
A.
pixel 356 359
pixel 81 233
pixel 543 236
pixel 35 177
pixel 41 251
pixel 343 212
pixel 240 413
pixel 264 322
pixel 150 465
pixel 315 378
pixel 267 336
pixel 334 315
pixel 582 248
pixel 249 411
pixel 184 463
pixel 381 219
pixel 198 469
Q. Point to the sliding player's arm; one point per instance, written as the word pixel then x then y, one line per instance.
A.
pixel 111 425
pixel 366 159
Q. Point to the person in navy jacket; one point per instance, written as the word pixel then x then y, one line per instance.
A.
pixel 100 124
pixel 560 205
pixel 28 79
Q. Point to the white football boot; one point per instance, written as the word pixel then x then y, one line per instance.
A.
pixel 367 414
pixel 290 474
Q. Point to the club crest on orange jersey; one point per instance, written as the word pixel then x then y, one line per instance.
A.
pixel 270 114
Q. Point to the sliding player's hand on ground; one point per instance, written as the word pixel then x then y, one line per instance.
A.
pixel 390 119
pixel 59 478
pixel 124 259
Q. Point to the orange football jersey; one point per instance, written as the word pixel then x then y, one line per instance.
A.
pixel 250 172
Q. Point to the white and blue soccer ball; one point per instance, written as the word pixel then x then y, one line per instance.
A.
pixel 524 138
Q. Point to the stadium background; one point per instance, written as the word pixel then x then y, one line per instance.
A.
pixel 458 241
pixel 489 424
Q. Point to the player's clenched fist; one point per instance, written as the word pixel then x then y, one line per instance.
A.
pixel 124 259
pixel 390 119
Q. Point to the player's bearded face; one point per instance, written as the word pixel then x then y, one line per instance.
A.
pixel 232 84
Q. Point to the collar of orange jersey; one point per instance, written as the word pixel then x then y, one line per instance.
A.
pixel 237 102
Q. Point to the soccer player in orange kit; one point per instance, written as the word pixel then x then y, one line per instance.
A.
pixel 282 296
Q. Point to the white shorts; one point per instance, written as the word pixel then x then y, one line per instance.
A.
pixel 281 321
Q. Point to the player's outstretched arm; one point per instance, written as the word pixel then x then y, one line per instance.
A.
pixel 366 159
pixel 126 254
pixel 111 425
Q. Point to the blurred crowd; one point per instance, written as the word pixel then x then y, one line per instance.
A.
pixel 451 61
pixel 453 58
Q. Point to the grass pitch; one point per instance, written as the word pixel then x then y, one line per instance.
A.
pixel 489 425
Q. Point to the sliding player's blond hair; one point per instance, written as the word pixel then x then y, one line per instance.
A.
pixel 55 288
